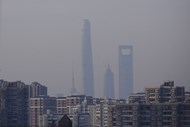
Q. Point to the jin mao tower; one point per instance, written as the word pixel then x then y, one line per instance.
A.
pixel 109 83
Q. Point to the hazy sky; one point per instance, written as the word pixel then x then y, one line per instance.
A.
pixel 40 39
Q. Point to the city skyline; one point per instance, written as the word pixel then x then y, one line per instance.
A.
pixel 94 63
pixel 164 105
pixel 41 39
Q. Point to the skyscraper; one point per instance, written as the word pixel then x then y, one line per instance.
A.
pixel 109 83
pixel 87 63
pixel 125 71
pixel 14 100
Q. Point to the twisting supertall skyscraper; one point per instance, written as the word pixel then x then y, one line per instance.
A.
pixel 125 71
pixel 87 64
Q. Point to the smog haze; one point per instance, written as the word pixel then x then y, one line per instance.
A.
pixel 42 39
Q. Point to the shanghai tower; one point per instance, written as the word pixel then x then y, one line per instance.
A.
pixel 87 64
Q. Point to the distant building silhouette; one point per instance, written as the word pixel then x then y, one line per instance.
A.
pixel 109 83
pixel 73 89
pixel 87 63
pixel 36 89
pixel 125 71
pixel 14 100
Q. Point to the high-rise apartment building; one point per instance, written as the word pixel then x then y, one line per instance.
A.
pixel 136 98
pixel 96 114
pixel 125 71
pixel 109 83
pixel 87 63
pixel 151 115
pixel 134 112
pixel 66 105
pixel 39 106
pixel 36 89
pixel 14 99
pixel 165 93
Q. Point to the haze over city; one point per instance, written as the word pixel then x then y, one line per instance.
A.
pixel 42 40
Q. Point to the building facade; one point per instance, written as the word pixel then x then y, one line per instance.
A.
pixel 167 92
pixel 14 100
pixel 152 115
pixel 136 98
pixel 39 106
pixel 36 89
pixel 67 105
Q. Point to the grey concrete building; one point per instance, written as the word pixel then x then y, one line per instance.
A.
pixel 165 93
pixel 36 89
pixel 39 106
pixel 66 105
pixel 152 115
pixel 136 98
pixel 14 100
